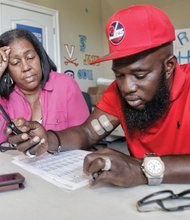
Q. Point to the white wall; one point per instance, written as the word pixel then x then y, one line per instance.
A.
pixel 82 17
pixel 88 17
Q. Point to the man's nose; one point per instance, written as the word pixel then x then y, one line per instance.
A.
pixel 129 85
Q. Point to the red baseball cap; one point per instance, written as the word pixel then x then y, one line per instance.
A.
pixel 136 29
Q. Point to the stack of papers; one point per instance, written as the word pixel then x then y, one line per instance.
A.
pixel 64 169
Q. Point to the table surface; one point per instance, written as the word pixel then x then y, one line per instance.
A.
pixel 42 200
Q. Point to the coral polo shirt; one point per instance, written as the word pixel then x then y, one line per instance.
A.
pixel 171 133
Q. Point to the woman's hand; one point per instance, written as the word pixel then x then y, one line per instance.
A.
pixel 125 170
pixel 4 59
pixel 33 137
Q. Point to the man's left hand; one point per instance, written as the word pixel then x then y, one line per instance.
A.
pixel 124 170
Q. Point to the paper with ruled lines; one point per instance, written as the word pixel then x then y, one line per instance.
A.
pixel 64 169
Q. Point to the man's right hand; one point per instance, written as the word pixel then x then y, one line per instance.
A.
pixel 33 138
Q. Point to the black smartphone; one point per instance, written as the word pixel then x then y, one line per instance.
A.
pixel 11 181
pixel 10 124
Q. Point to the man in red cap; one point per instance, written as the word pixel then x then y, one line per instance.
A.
pixel 149 98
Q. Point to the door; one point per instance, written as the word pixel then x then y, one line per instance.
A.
pixel 43 22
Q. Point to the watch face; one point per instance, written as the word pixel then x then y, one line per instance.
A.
pixel 154 167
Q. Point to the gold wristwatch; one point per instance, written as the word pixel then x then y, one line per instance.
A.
pixel 153 168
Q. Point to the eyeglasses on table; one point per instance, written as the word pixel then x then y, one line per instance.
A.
pixel 165 200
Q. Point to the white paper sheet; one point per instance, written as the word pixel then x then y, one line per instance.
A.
pixel 64 170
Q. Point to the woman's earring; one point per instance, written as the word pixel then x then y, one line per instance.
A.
pixel 11 81
pixel 8 80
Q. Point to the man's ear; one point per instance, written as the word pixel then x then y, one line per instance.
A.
pixel 170 64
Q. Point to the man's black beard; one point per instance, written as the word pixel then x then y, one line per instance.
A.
pixel 141 119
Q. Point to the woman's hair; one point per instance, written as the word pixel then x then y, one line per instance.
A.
pixel 6 85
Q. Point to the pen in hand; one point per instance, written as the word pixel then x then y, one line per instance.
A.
pixel 96 174
pixel 106 167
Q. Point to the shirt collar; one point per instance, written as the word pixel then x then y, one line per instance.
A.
pixel 49 85
pixel 178 82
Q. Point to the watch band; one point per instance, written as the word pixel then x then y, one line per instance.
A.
pixel 155 181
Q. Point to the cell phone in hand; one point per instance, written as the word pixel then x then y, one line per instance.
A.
pixel 10 124
pixel 11 181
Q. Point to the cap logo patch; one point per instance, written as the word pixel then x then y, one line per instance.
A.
pixel 116 32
